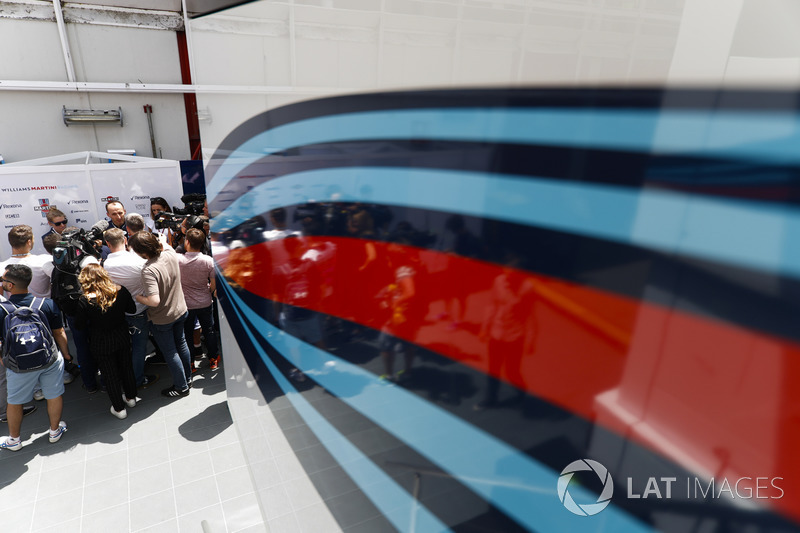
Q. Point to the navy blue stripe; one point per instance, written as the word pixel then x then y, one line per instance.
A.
pixel 706 175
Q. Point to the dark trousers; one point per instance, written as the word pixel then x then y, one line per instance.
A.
pixel 117 369
pixel 85 360
pixel 206 318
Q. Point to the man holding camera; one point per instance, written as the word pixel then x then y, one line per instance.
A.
pixel 65 291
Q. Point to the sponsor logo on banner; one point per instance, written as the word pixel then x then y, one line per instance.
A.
pixel 73 211
pixel 12 215
pixel 44 206
pixel 9 226
pixel 107 199
pixel 76 202
pixel 140 197
pixel 81 221
pixel 11 206
pixel 33 188
pixel 141 207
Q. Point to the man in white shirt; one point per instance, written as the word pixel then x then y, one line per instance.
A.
pixel 21 240
pixel 125 268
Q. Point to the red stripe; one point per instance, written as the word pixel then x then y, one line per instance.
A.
pixel 718 399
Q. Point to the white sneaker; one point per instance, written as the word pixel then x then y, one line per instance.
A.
pixel 62 428
pixel 38 395
pixel 129 403
pixel 68 378
pixel 119 414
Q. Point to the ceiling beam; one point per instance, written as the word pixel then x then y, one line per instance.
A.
pixel 92 14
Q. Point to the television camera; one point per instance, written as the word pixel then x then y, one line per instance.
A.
pixel 193 205
pixel 74 245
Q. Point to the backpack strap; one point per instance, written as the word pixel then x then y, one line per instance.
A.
pixel 5 307
pixel 33 302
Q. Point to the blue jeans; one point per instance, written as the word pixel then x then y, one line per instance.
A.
pixel 172 344
pixel 206 318
pixel 140 330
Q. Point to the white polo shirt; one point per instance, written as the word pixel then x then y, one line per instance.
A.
pixel 125 268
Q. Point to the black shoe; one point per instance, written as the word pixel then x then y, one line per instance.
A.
pixel 26 410
pixel 148 380
pixel 174 393
pixel 197 352
pixel 87 389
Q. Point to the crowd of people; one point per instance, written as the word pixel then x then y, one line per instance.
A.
pixel 136 283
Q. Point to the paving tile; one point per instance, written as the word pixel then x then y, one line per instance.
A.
pixel 153 510
pixel 50 511
pixel 196 495
pixel 191 468
pixel 106 494
pixel 109 519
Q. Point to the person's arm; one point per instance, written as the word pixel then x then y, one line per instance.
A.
pixel 60 337
pixel 130 306
pixel 150 301
pixel 149 285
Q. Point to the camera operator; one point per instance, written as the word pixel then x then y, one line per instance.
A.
pixel 75 249
pixel 159 205
pixel 179 220
pixel 194 222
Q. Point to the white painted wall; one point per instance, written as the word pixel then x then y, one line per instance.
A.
pixel 30 122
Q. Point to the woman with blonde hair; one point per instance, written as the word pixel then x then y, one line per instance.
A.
pixel 101 312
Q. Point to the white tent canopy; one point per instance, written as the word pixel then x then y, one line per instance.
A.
pixel 80 184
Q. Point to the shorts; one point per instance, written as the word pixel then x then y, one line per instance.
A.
pixel 22 384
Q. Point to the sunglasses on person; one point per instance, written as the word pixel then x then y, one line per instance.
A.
pixel 6 280
pixel 62 223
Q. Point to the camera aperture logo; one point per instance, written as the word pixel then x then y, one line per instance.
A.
pixel 585 509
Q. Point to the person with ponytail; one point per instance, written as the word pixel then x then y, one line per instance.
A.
pixel 101 313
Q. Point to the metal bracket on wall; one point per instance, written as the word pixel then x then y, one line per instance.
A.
pixel 148 110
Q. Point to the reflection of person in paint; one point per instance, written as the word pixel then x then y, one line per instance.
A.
pixel 399 298
pixel 509 329
pixel 299 289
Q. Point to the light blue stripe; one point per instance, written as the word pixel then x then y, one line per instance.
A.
pixel 513 482
pixel 750 234
pixel 769 137
pixel 392 500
